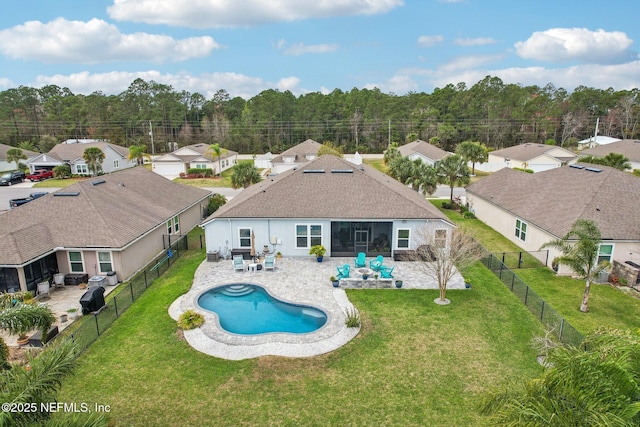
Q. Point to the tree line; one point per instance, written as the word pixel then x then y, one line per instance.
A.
pixel 365 120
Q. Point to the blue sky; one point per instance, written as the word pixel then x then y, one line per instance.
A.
pixel 246 46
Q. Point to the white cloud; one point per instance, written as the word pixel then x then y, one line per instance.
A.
pixel 240 13
pixel 478 41
pixel 207 83
pixel 301 49
pixel 429 41
pixel 96 41
pixel 6 83
pixel 581 44
pixel 468 62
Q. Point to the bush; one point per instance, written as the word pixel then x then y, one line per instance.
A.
pixel 190 320
pixel 353 318
pixel 62 171
pixel 200 173
pixel 636 172
pixel 446 205
pixel 468 215
pixel 216 201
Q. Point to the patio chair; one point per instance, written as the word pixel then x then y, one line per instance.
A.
pixel 238 263
pixel 343 272
pixel 361 260
pixel 385 272
pixel 269 262
pixel 376 263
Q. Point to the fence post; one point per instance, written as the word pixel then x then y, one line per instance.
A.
pixel 546 259
pixel 561 329
pixel 500 274
pixel 97 328
pixel 526 294
pixel 542 311
pixel 131 289
pixel 520 259
pixel 490 257
pixel 115 304
pixel 513 279
pixel 145 278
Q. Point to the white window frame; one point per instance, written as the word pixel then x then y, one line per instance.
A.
pixel 116 163
pixel 407 239
pixel 82 169
pixel 170 227
pixel 100 262
pixel 521 232
pixel 200 166
pixel 247 239
pixel 72 262
pixel 609 256
pixel 440 242
pixel 176 224
pixel 308 236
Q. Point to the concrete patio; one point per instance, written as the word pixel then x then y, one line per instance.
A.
pixel 295 280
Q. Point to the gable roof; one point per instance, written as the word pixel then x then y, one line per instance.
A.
pixel 4 148
pixel 598 139
pixel 530 151
pixel 329 188
pixel 122 207
pixel 629 148
pixel 71 152
pixel 430 151
pixel 299 152
pixel 554 199
pixel 198 151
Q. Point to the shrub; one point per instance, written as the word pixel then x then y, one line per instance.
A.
pixel 215 202
pixel 468 215
pixel 353 318
pixel 190 320
pixel 446 205
pixel 636 172
pixel 201 173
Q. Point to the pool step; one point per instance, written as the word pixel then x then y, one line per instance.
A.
pixel 237 290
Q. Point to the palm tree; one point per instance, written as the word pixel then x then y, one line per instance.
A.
pixel 330 148
pixel 15 155
pixel 138 153
pixel 27 145
pixel 614 160
pixel 245 174
pixel 452 170
pixel 94 158
pixel 217 151
pixel 422 177
pixel 473 152
pixel 579 248
pixel 392 153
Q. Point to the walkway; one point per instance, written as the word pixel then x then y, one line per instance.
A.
pixel 297 280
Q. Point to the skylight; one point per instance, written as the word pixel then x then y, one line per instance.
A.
pixel 66 194
pixel 313 171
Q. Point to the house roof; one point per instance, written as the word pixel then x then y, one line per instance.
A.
pixel 329 187
pixel 4 148
pixel 202 151
pixel 554 199
pixel 122 207
pixel 299 152
pixel 71 152
pixel 430 151
pixel 528 151
pixel 598 139
pixel 629 148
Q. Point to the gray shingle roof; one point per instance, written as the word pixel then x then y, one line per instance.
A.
pixel 627 147
pixel 422 147
pixel 362 193
pixel 528 151
pixel 206 153
pixel 553 200
pixel 4 148
pixel 127 205
pixel 299 151
pixel 70 152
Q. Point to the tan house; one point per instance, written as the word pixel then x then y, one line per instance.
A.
pixel 329 201
pixel 115 157
pixel 116 222
pixel 537 157
pixel 532 209
pixel 428 153
pixel 295 156
pixel 630 148
pixel 196 156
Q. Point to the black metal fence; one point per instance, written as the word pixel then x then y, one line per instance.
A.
pixel 536 305
pixel 533 259
pixel 91 327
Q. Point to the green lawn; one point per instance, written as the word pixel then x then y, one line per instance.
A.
pixel 57 183
pixel 608 306
pixel 224 181
pixel 413 363
pixel 376 164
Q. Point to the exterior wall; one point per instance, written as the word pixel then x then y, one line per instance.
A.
pixel 263 161
pixel 168 168
pixel 426 160
pixel 6 166
pixel 283 167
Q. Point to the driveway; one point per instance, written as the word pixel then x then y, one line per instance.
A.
pixel 18 191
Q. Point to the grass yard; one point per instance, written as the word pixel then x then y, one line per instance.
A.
pixel 608 306
pixel 376 164
pixel 219 181
pixel 57 182
pixel 413 363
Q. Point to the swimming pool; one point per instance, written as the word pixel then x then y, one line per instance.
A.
pixel 250 310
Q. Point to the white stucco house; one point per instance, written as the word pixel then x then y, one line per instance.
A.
pixel 428 153
pixel 195 156
pixel 533 209
pixel 115 158
pixel 537 157
pixel 331 202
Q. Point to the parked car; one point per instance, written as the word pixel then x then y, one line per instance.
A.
pixel 11 178
pixel 13 203
pixel 39 175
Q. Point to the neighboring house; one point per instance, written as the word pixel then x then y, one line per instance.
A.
pixel 115 158
pixel 533 209
pixel 263 161
pixel 331 202
pixel 9 166
pixel 117 222
pixel 594 141
pixel 629 148
pixel 537 157
pixel 295 156
pixel 196 156
pixel 428 153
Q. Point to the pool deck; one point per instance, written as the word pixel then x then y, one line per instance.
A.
pixel 297 280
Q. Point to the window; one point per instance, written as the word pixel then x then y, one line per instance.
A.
pixel 104 259
pixel 176 224
pixel 75 261
pixel 605 253
pixel 308 235
pixel 169 227
pixel 201 166
pixel 521 230
pixel 245 237
pixel 116 164
pixel 82 169
pixel 440 238
pixel 403 238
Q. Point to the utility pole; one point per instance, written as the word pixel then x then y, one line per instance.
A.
pixel 389 144
pixel 153 147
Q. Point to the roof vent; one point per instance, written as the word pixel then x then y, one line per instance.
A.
pixel 341 170
pixel 596 170
pixel 313 171
pixel 102 181
pixel 66 194
pixel 361 168
pixel 576 166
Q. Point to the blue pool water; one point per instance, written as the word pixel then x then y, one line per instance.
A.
pixel 249 310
